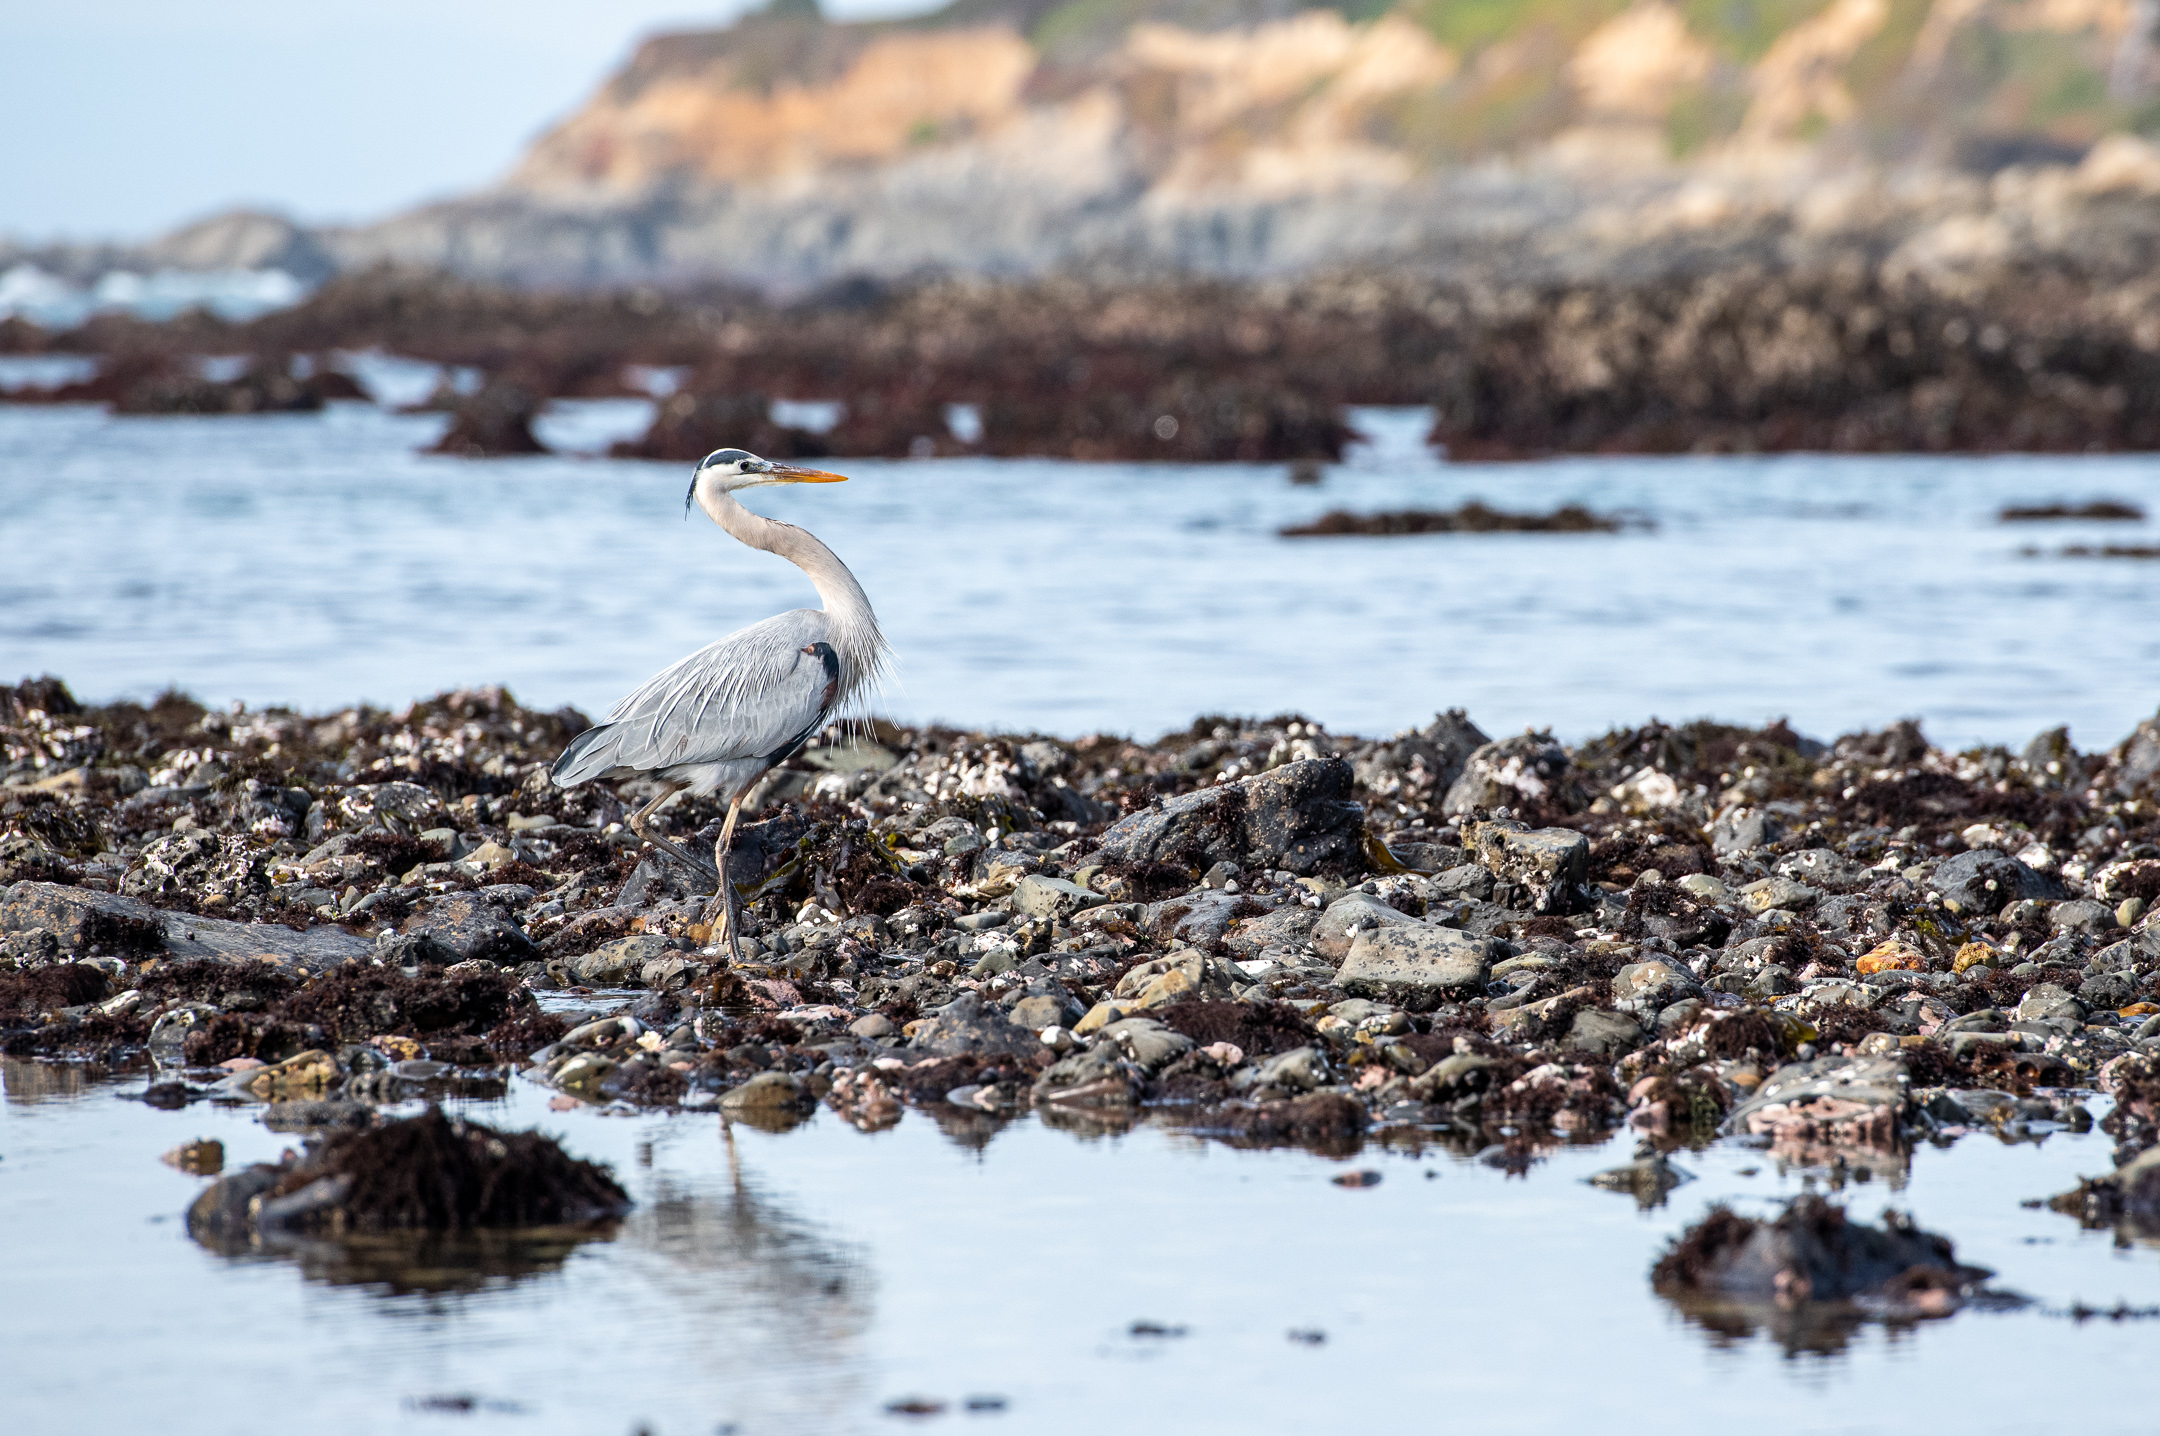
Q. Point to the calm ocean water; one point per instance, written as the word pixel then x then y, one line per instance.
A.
pixel 317 560
pixel 822 1274
pixel 800 1283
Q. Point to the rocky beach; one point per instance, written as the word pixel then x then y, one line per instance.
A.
pixel 1254 932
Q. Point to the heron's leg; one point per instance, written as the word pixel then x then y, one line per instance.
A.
pixel 730 901
pixel 665 844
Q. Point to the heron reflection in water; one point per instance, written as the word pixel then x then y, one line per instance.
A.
pixel 731 712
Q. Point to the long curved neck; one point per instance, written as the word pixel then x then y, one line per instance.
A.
pixel 855 629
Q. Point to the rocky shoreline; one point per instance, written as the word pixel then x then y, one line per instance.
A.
pixel 1845 353
pixel 1255 931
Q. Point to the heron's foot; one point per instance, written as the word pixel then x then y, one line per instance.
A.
pixel 683 855
pixel 728 919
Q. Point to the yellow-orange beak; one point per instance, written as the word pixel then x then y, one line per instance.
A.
pixel 788 473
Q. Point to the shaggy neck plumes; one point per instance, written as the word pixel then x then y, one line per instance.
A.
pixel 855 630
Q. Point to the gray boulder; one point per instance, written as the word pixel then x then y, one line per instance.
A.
pixel 1540 869
pixel 86 921
pixel 1038 895
pixel 470 927
pixel 1744 829
pixel 1823 868
pixel 1349 915
pixel 1984 880
pixel 2136 760
pixel 968 1024
pixel 1299 817
pixel 1440 750
pixel 1284 927
pixel 1529 768
pixel 2083 915
pixel 1604 1034
pixel 1811 1252
pixel 1147 1042
pixel 1417 964
pixel 618 963
pixel 1198 919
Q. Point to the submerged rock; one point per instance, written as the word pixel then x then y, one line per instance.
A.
pixel 1813 1254
pixel 430 1173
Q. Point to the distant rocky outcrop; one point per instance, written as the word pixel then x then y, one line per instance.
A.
pixel 1542 143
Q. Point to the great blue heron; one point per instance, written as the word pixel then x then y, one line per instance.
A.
pixel 729 713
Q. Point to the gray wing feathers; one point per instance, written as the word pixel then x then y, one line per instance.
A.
pixel 748 696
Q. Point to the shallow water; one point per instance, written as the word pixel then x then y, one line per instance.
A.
pixel 318 559
pixel 824 1274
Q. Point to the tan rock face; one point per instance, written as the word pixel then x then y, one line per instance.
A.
pixel 1281 106
pixel 1635 63
pixel 791 149
pixel 717 123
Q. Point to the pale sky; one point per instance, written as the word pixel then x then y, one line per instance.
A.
pixel 124 118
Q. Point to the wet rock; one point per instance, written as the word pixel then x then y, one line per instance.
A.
pixel 2082 915
pixel 1198 919
pixel 26 858
pixel 168 1036
pixel 1101 1076
pixel 1285 927
pixel 1760 897
pixel 1351 915
pixel 1743 830
pixel 1453 1078
pixel 1298 818
pixel 1985 881
pixel 1542 869
pixel 618 963
pixel 1425 762
pixel 2107 990
pixel 1524 771
pixel 1147 1043
pixel 1036 1013
pixel 968 1024
pixel 1416 964
pixel 2047 1002
pixel 1050 898
pixel 2127 1199
pixel 659 879
pixel 1824 869
pixel 302 1075
pixel 87 921
pixel 1301 1069
pixel 316 1115
pixel 1813 1110
pixel 1605 1034
pixel 1648 1179
pixel 1465 880
pixel 767 1092
pixel 1650 986
pixel 80 920
pixel 1669 911
pixel 1812 1252
pixel 495 422
pixel 430 1173
pixel 468 926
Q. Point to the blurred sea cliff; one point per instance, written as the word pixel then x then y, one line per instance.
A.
pixel 1514 140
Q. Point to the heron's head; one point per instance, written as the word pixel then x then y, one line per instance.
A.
pixel 730 469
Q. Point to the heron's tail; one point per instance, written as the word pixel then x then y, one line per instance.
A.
pixel 590 755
